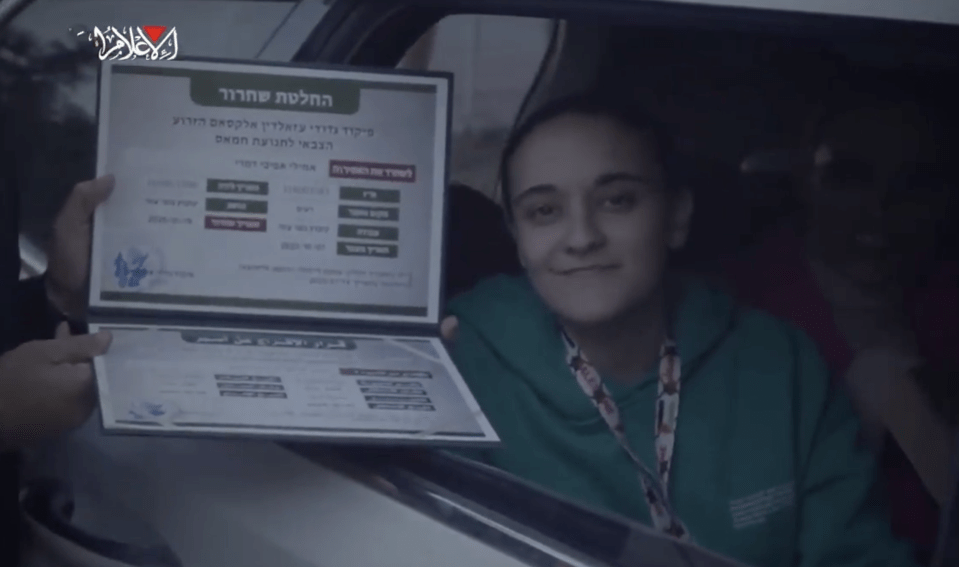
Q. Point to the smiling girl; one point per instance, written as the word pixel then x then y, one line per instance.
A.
pixel 615 383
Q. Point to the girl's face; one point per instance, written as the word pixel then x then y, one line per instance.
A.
pixel 592 220
pixel 878 193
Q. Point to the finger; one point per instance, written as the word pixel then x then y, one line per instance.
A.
pixel 63 331
pixel 64 401
pixel 73 386
pixel 85 198
pixel 449 328
pixel 73 377
pixel 78 348
pixel 96 192
pixel 79 378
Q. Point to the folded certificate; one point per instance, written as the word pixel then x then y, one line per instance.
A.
pixel 270 263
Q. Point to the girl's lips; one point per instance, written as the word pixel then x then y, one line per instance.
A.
pixel 586 269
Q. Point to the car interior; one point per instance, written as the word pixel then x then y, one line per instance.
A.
pixel 734 94
pixel 737 87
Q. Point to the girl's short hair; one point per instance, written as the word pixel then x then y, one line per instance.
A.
pixel 599 104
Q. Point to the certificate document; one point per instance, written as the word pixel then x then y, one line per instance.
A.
pixel 270 262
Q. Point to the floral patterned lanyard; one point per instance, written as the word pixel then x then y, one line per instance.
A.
pixel 667 413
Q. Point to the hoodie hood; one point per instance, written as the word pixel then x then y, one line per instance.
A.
pixel 765 469
pixel 508 316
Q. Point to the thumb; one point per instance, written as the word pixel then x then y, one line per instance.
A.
pixel 449 328
pixel 63 331
pixel 85 198
pixel 95 192
pixel 79 348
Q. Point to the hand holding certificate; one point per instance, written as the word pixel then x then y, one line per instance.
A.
pixel 270 263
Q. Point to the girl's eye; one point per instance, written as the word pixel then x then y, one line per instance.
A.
pixel 621 201
pixel 541 212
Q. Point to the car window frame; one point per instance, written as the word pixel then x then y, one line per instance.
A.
pixel 334 40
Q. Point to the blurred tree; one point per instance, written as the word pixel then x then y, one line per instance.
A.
pixel 49 143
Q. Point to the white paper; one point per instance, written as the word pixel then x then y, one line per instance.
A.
pixel 254 383
pixel 269 190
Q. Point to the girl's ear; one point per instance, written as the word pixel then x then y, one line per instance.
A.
pixel 681 213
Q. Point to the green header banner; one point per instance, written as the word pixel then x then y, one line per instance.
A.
pixel 276 92
pixel 246 90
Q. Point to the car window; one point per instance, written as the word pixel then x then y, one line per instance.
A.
pixel 746 109
pixel 494 60
pixel 48 71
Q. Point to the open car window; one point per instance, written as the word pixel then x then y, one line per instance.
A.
pixel 736 93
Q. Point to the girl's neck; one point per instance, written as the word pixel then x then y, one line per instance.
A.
pixel 626 347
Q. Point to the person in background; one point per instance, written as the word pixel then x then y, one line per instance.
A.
pixel 46 382
pixel 580 363
pixel 865 270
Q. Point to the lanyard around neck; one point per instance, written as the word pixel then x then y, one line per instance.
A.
pixel 655 486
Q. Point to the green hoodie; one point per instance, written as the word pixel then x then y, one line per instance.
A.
pixel 765 468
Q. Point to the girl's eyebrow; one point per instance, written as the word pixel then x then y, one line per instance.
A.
pixel 600 181
pixel 541 189
pixel 608 178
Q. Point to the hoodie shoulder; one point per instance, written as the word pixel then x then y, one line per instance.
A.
pixel 503 319
pixel 766 353
pixel 499 297
pixel 762 330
